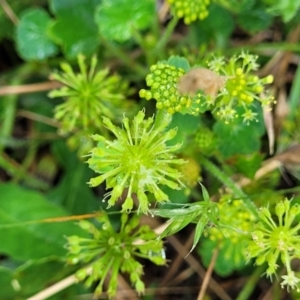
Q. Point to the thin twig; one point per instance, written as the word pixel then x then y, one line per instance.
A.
pixel 29 88
pixel 123 285
pixel 177 261
pixel 9 12
pixel 183 276
pixel 37 117
pixel 208 275
pixel 55 288
pixel 195 265
pixel 269 166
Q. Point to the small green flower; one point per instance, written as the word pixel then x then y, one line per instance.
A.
pixel 88 95
pixel 138 160
pixel 241 89
pixel 191 173
pixel 290 280
pixel 190 10
pixel 206 141
pixel 114 252
pixel 163 81
pixel 234 232
pixel 277 240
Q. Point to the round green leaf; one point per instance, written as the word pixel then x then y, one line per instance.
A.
pixel 287 9
pixel 186 125
pixel 255 20
pixel 117 18
pixel 231 256
pixel 179 62
pixel 74 27
pixel 36 275
pixel 238 137
pixel 31 36
pixel 31 241
pixel 216 28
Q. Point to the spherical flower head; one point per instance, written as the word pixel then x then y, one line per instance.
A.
pixel 205 140
pixel 236 223
pixel 190 10
pixel 191 172
pixel 277 239
pixel 88 94
pixel 242 87
pixel 111 252
pixel 138 160
pixel 163 82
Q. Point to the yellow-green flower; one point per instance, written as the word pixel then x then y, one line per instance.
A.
pixel 241 89
pixel 163 82
pixel 277 240
pixel 138 160
pixel 190 10
pixel 88 95
pixel 111 252
pixel 206 141
pixel 231 239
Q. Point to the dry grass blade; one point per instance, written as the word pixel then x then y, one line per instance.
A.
pixel 29 88
pixel 208 275
pixel 9 12
pixel 269 123
pixel 195 265
pixel 178 260
pixel 39 118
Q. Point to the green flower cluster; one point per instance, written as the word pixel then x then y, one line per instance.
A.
pixel 191 172
pixel 277 240
pixel 205 140
pixel 137 160
pixel 113 252
pixel 190 10
pixel 290 132
pixel 242 87
pixel 237 222
pixel 88 94
pixel 163 81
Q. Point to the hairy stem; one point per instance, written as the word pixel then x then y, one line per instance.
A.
pixel 251 284
pixel 216 172
pixel 167 34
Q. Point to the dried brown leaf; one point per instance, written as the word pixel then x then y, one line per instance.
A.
pixel 201 79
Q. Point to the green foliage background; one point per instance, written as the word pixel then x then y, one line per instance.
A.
pixel 42 177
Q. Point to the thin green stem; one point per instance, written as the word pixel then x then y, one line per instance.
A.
pixel 124 57
pixel 141 41
pixel 30 156
pixel 216 172
pixel 289 190
pixel 16 170
pixel 155 27
pixel 167 34
pixel 250 284
pixel 10 104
